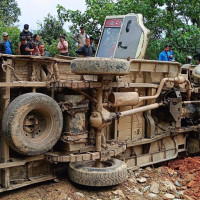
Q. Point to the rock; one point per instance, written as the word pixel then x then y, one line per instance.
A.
pixel 186 197
pixel 177 183
pixel 141 180
pixel 146 175
pixel 181 192
pixel 170 171
pixel 119 193
pixel 169 196
pixel 148 168
pixel 175 173
pixel 137 174
pixel 137 191
pixel 132 180
pixel 79 194
pixel 191 184
pixel 151 195
pixel 144 189
pixel 169 186
pixel 154 187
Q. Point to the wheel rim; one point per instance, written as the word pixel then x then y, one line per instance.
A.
pixel 37 125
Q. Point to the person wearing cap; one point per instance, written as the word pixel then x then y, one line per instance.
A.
pixel 25 47
pixel 6 45
pixel 26 33
pixel 164 56
pixel 63 46
pixel 188 60
pixel 171 54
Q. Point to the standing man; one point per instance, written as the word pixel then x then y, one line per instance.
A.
pixel 171 54
pixel 63 46
pixel 25 47
pixel 41 51
pixel 26 33
pixel 35 43
pixel 163 56
pixel 87 50
pixel 6 46
pixel 80 37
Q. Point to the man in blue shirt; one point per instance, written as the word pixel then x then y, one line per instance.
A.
pixel 171 54
pixel 163 56
pixel 6 46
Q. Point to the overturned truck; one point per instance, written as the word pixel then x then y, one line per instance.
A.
pixel 100 115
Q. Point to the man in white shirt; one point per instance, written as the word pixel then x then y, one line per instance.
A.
pixel 80 37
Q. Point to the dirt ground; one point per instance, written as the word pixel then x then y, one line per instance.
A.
pixel 178 179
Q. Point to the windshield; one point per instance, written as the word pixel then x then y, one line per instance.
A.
pixel 108 42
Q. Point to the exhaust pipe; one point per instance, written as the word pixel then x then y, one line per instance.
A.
pixel 118 99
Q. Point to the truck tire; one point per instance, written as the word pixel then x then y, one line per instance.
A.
pixel 32 123
pixel 100 66
pixel 84 173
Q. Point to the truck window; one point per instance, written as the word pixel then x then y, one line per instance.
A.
pixel 108 42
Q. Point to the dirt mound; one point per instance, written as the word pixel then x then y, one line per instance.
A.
pixel 189 171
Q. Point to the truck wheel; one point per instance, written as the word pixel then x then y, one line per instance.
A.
pixel 112 172
pixel 100 66
pixel 32 123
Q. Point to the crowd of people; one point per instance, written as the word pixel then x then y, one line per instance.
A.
pixel 168 55
pixel 32 45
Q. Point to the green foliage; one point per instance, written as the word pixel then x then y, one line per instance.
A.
pixel 176 22
pixel 13 32
pixel 9 11
pixel 50 30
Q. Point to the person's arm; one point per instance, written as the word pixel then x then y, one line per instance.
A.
pixel 59 46
pixel 160 57
pixel 65 45
pixel 29 48
pixel 80 51
pixel 18 49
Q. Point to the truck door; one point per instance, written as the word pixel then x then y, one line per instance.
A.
pixel 129 38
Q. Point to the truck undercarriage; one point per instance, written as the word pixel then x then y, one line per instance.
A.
pixel 101 115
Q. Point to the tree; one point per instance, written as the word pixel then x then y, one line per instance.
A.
pixel 9 11
pixel 50 30
pixel 13 32
pixel 176 22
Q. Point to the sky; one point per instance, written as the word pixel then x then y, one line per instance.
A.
pixel 33 11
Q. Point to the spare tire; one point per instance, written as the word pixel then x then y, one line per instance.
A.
pixel 100 66
pixel 32 123
pixel 113 172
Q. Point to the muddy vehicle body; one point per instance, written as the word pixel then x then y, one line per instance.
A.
pixel 102 115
